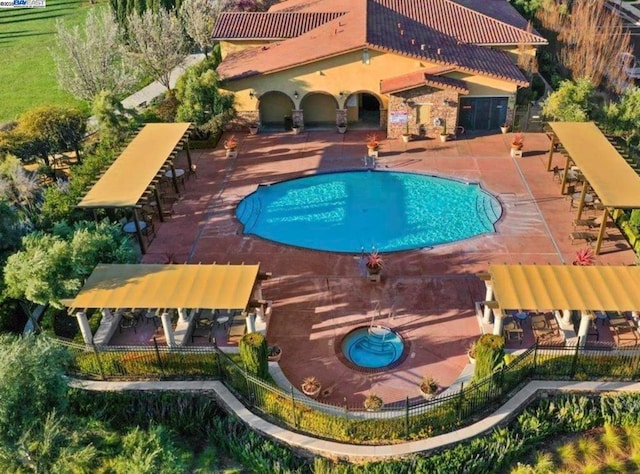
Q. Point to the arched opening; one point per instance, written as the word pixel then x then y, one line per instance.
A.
pixel 319 110
pixel 275 110
pixel 363 110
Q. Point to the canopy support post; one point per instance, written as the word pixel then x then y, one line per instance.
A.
pixel 603 227
pixel 565 174
pixel 553 145
pixel 498 318
pixel 583 194
pixel 136 221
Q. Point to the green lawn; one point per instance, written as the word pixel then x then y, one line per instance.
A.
pixel 27 71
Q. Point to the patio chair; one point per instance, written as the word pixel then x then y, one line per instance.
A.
pixel 203 328
pixel 589 223
pixel 625 336
pixel 512 332
pixel 578 237
pixel 128 321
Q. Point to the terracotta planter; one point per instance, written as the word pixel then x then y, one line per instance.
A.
pixel 371 149
pixel 276 357
pixel 253 130
pixel 444 138
pixel 504 130
pixel 374 270
pixel 427 396
pixel 406 137
pixel 342 129
pixel 296 130
pixel 311 393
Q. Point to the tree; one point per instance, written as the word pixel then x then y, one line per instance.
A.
pixel 93 59
pixel 157 43
pixel 52 266
pixel 51 130
pixel 113 123
pixel 199 18
pixel 591 38
pixel 198 94
pixel 572 102
pixel 33 384
pixel 21 191
pixel 621 118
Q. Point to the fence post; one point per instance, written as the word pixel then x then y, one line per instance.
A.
pixel 535 359
pixel 246 378
pixel 219 360
pixel 293 408
pixel 99 362
pixel 574 362
pixel 157 351
pixel 406 418
pixel 460 399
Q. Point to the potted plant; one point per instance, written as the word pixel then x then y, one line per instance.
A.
pixel 374 263
pixel 231 143
pixel 274 353
pixel 296 128
pixel 471 352
pixel 584 257
pixel 253 128
pixel 373 402
pixel 342 127
pixel 516 145
pixel 428 387
pixel 504 128
pixel 372 142
pixel 311 387
pixel 444 136
pixel 406 136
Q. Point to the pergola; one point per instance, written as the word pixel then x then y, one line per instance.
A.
pixel 560 287
pixel 612 179
pixel 166 286
pixel 136 172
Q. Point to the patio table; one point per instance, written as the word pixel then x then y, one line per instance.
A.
pixel 130 227
pixel 179 173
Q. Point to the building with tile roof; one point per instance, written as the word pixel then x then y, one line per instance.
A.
pixel 394 65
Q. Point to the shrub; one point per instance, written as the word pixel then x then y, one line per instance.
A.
pixel 254 353
pixel 489 355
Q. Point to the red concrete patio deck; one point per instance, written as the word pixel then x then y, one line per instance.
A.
pixel 320 296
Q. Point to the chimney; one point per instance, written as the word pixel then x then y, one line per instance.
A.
pixel 423 46
pixel 439 51
pixel 401 32
pixel 413 41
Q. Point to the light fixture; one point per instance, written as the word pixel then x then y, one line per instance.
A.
pixel 365 56
pixel 253 94
pixel 341 93
pixel 295 95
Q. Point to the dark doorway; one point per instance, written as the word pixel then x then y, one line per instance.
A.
pixel 369 111
pixel 479 114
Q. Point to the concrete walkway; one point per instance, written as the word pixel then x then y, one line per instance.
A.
pixel 352 452
pixel 153 90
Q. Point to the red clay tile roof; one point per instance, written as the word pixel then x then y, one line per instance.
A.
pixel 271 26
pixel 428 77
pixel 465 23
pixel 413 28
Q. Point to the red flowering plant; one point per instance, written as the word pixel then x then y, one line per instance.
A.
pixel 584 257
pixel 374 262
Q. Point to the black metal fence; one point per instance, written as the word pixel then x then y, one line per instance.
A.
pixel 405 420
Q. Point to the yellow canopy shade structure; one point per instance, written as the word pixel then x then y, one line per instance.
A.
pixel 127 179
pixel 614 181
pixel 548 287
pixel 167 286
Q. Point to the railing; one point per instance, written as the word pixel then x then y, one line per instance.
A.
pixel 406 420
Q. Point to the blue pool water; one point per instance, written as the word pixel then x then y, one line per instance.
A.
pixel 359 211
pixel 372 349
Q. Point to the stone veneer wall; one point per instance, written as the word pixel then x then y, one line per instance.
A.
pixel 444 104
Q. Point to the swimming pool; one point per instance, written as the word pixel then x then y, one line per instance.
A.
pixel 359 211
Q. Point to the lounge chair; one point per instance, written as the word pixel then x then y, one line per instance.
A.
pixel 625 336
pixel 578 237
pixel 512 332
pixel 589 223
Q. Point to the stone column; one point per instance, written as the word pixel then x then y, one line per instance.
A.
pixel 583 330
pixel 498 319
pixel 168 330
pixel 251 323
pixel 107 315
pixel 182 314
pixel 566 316
pixel 341 116
pixel 259 322
pixel 81 316
pixel 297 116
pixel 488 297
